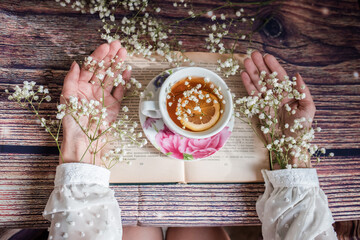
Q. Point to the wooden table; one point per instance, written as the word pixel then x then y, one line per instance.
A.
pixel 320 39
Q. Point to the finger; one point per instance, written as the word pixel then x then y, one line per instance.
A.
pixel 249 86
pixel 71 82
pixel 259 62
pixel 113 49
pixel 120 90
pixel 274 66
pixel 109 81
pixel 99 54
pixel 304 107
pixel 253 72
pixel 302 88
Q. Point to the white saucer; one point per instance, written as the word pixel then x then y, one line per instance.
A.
pixel 175 145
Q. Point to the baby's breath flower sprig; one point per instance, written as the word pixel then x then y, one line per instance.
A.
pixel 120 131
pixel 92 115
pixel 228 67
pixel 224 28
pixel 31 96
pixel 285 141
pixel 142 32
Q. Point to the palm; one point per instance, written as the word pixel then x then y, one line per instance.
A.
pixel 301 111
pixel 95 92
pixel 256 64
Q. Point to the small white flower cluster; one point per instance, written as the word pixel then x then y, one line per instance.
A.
pixel 293 140
pixel 29 93
pixel 142 32
pixel 214 44
pixel 114 69
pixel 32 96
pixel 95 113
pixel 221 29
pixel 91 117
pixel 270 96
pixel 148 95
pixel 124 132
pixel 229 67
pixel 139 31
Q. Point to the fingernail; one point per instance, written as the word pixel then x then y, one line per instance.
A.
pixel 241 71
pixel 265 54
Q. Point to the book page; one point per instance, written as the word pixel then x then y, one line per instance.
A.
pixel 244 155
pixel 147 164
pixel 240 160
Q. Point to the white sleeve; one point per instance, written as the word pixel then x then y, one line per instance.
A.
pixel 82 206
pixel 293 207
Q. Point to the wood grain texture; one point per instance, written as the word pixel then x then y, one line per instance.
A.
pixel 319 39
pixel 28 182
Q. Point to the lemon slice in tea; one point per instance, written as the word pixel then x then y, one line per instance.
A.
pixel 204 114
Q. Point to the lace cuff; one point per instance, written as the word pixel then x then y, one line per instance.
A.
pixel 292 177
pixel 81 173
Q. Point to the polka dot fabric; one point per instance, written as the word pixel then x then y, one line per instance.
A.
pixel 82 206
pixel 293 207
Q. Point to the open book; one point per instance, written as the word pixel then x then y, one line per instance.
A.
pixel 240 160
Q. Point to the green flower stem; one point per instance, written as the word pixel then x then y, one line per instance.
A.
pixel 102 133
pixel 48 129
pixel 102 147
pixel 129 96
pixel 97 141
pixel 199 14
pixel 234 45
pixel 142 7
pixel 254 130
pixel 82 129
pixel 58 131
pixel 90 143
pixel 271 160
pixel 154 126
pixel 98 124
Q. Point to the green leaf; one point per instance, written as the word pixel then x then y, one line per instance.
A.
pixel 168 154
pixel 188 156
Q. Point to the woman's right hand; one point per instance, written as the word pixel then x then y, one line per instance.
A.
pixel 268 63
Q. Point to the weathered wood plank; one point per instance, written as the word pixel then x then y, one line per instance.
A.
pixel 340 131
pixel 27 181
pixel 305 30
pixel 40 39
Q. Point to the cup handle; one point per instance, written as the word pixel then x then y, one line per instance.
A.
pixel 150 109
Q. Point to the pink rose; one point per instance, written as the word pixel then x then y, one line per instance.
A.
pixel 171 143
pixel 201 148
pixel 184 148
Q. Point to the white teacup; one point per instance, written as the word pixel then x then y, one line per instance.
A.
pixel 158 109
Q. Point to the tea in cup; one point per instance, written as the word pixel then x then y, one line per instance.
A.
pixel 193 102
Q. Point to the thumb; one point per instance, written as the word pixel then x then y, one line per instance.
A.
pixel 306 103
pixel 71 82
pixel 120 90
